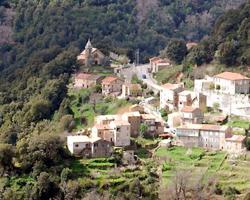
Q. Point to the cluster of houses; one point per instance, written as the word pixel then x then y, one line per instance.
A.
pixel 230 91
pixel 114 130
pixel 188 108
pixel 111 85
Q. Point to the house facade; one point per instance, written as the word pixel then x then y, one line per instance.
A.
pixel 117 132
pixel 157 64
pixel 91 56
pixel 85 80
pixel 131 90
pixel 232 83
pixel 191 115
pixel 89 147
pixel 236 143
pixel 210 136
pixel 112 86
pixel 229 90
pixel 134 118
pixel 169 95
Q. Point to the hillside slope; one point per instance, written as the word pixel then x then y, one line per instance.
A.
pixel 229 42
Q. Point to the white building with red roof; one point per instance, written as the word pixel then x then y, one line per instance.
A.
pixel 232 83
pixel 157 63
pixel 229 90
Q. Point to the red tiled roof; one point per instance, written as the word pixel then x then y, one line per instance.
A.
pixel 231 76
pixel 83 76
pixel 236 138
pixel 171 86
pixel 109 79
pixel 188 109
pixel 205 127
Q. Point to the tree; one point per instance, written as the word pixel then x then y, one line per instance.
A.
pixel 227 52
pixel 143 129
pixel 40 151
pixel 67 123
pixel 176 50
pixel 45 188
pixel 6 155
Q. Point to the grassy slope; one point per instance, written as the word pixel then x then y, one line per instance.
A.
pixel 211 164
pixel 87 110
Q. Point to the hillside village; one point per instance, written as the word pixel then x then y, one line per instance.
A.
pixel 186 126
pixel 124 100
pixel 169 116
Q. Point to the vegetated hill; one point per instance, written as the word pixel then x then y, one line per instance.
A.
pixel 229 42
pixel 47 36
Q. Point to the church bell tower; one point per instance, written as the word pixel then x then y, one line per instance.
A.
pixel 88 51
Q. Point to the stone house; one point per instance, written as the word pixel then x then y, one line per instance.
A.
pixel 134 118
pixel 150 121
pixel 191 115
pixel 91 56
pixel 169 95
pixel 157 64
pixel 89 147
pixel 131 90
pixel 236 143
pixel 85 80
pixel 112 86
pixel 116 132
pixel 209 136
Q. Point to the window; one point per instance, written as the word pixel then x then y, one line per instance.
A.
pixel 96 145
pixel 76 145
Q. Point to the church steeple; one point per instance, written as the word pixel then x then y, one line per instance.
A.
pixel 88 45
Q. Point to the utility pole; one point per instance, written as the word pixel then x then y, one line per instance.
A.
pixel 137 57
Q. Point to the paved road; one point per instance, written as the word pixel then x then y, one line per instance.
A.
pixel 140 71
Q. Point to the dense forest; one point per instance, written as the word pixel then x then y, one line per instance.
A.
pixel 229 42
pixel 37 62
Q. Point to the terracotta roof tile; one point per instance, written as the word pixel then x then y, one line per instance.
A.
pixel 231 76
pixel 188 109
pixel 83 76
pixel 171 86
pixel 109 79
pixel 236 138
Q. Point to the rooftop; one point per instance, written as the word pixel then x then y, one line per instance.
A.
pixel 121 123
pixel 132 114
pixel 205 127
pixel 188 109
pixel 147 116
pixel 133 86
pixel 109 79
pixel 231 76
pixel 102 127
pixel 83 75
pixel 82 138
pixel 236 138
pixel 171 86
